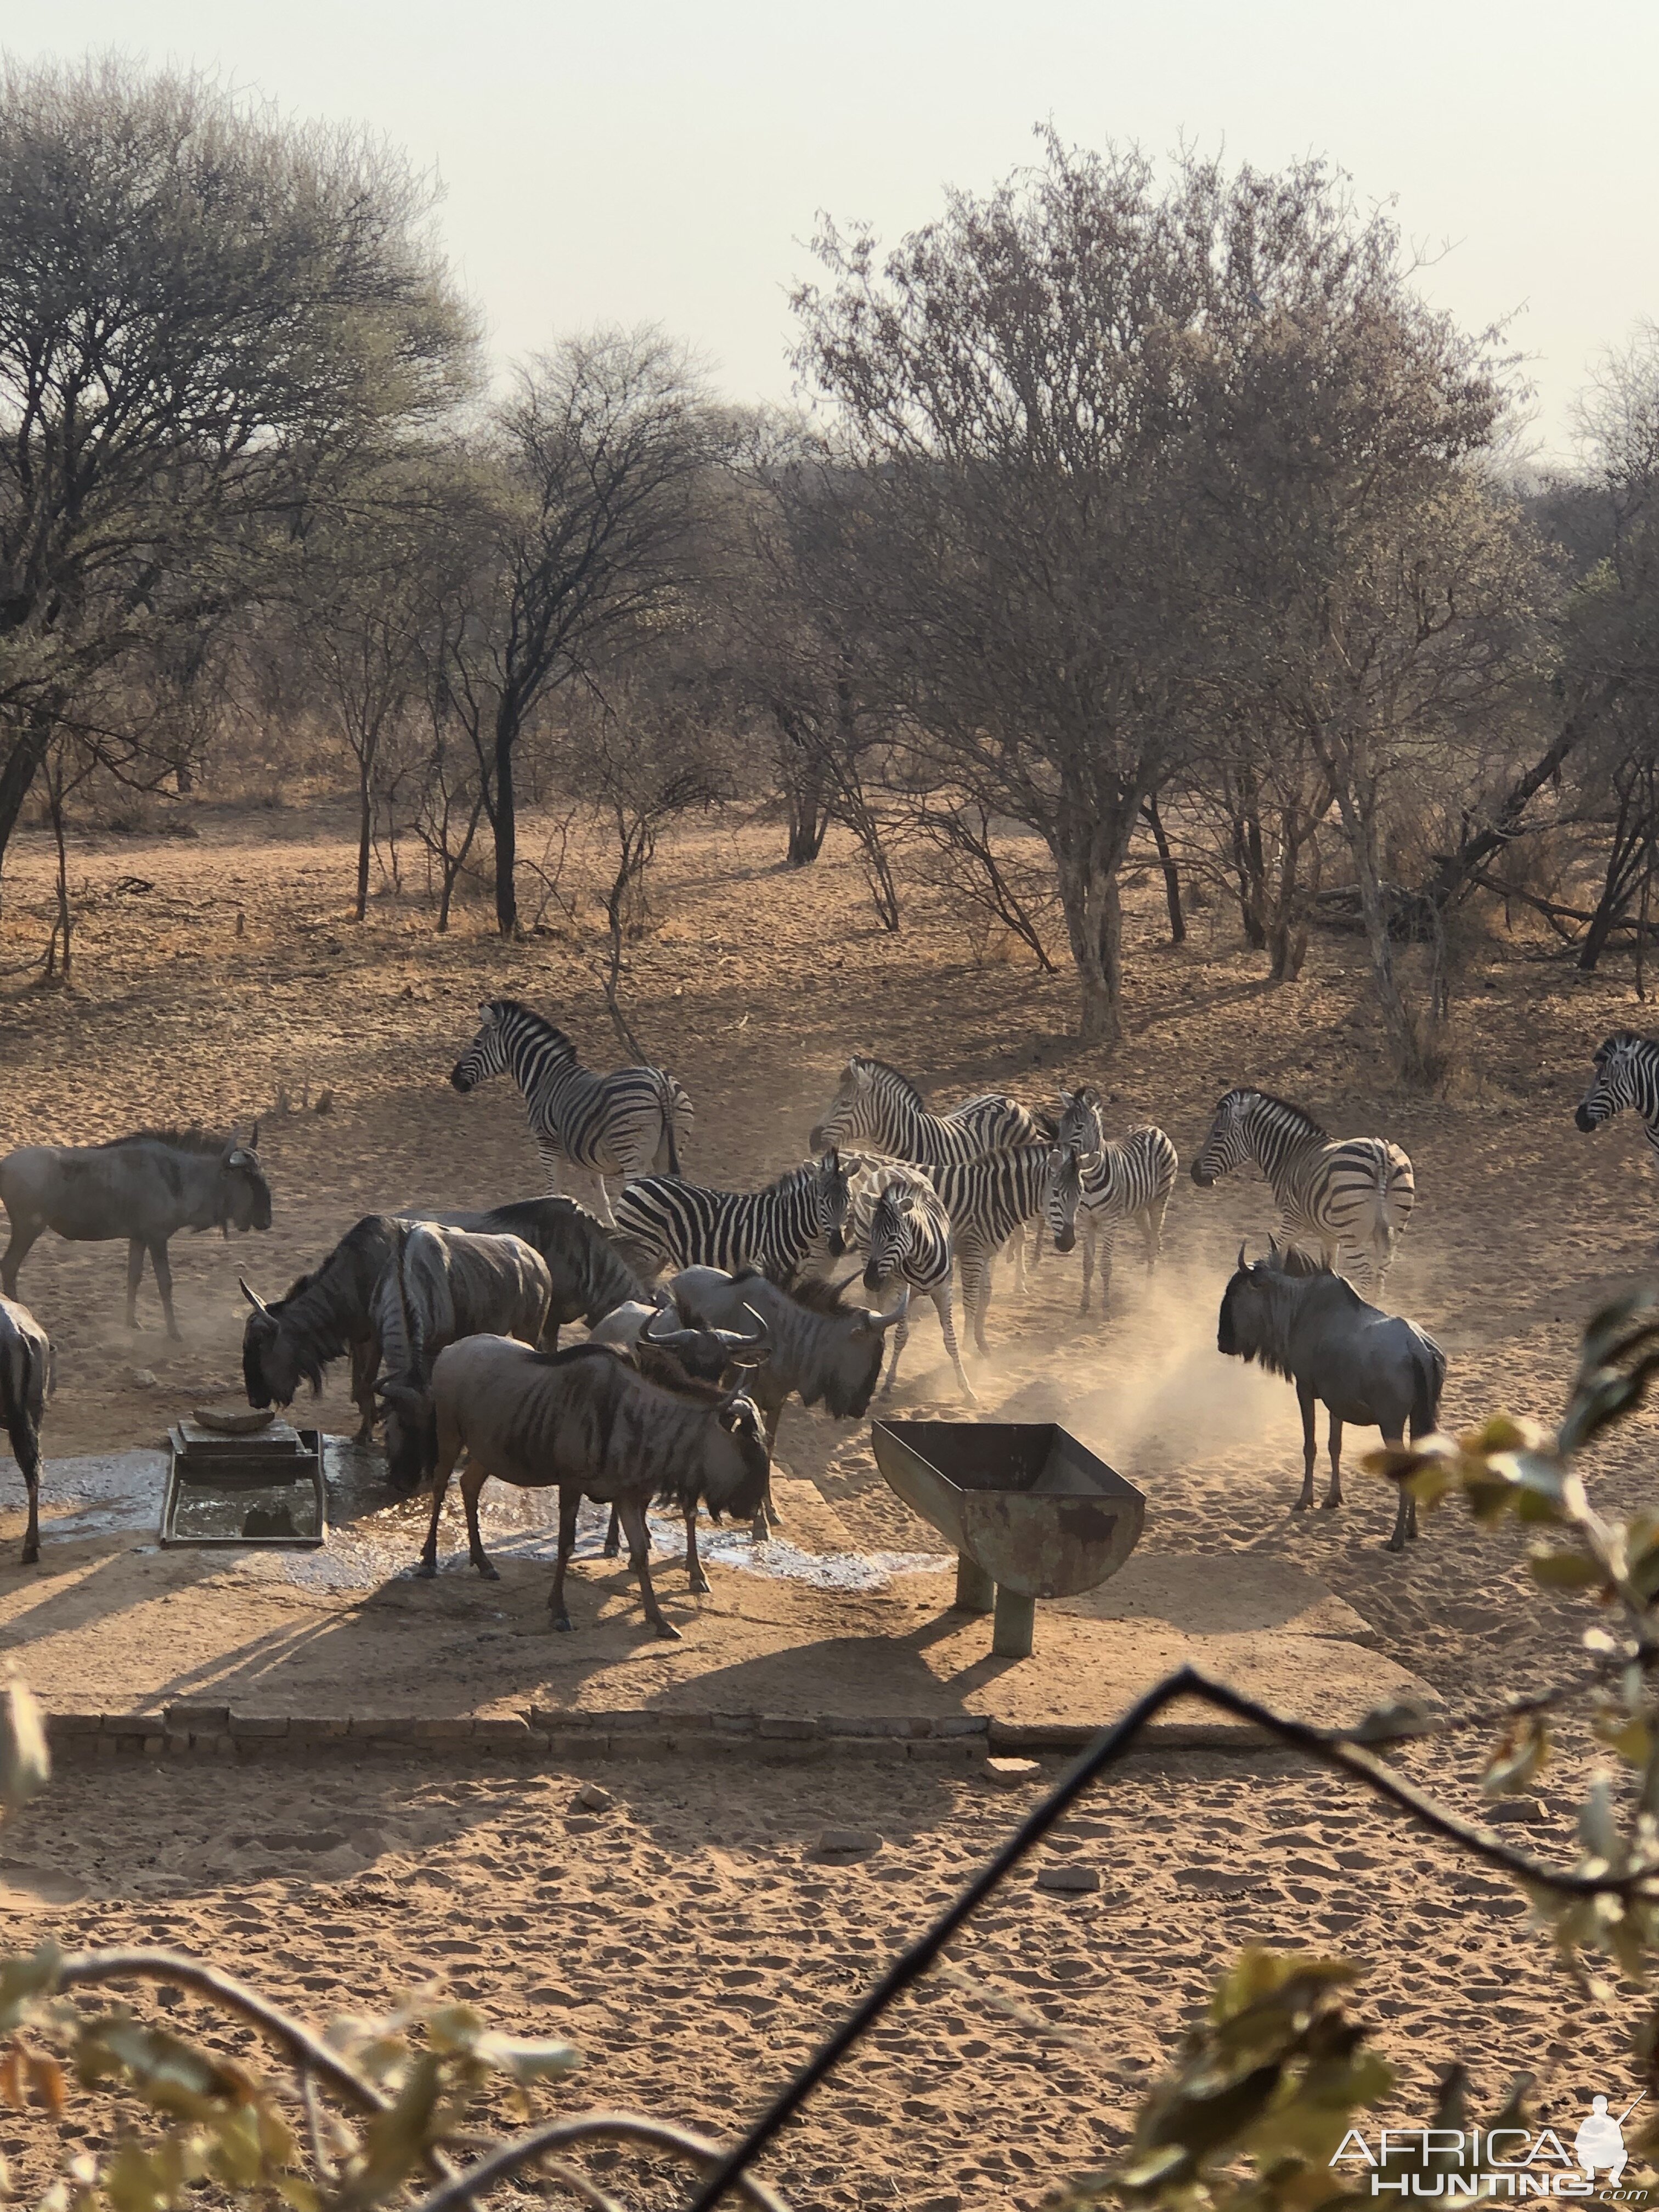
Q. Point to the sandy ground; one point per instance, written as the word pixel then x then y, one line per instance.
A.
pixel 696 1947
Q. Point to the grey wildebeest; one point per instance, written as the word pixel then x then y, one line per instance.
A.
pixel 1372 1369
pixel 25 1381
pixel 589 1277
pixel 325 1313
pixel 438 1285
pixel 145 1187
pixel 818 1349
pixel 586 1423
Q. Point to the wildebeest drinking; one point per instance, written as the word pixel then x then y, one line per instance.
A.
pixel 327 1313
pixel 1366 1367
pixel 145 1187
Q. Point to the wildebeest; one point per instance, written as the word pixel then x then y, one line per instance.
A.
pixel 322 1315
pixel 586 1423
pixel 818 1349
pixel 589 1277
pixel 25 1381
pixel 677 1358
pixel 145 1187
pixel 1299 1320
pixel 441 1284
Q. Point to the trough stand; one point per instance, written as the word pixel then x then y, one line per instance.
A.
pixel 1028 1512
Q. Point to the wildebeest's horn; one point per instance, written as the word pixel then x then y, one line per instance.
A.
pixel 254 1299
pixel 893 1319
pixel 253 1141
pixel 759 1321
pixel 1240 1252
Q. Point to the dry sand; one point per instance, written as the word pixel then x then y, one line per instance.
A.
pixel 689 1938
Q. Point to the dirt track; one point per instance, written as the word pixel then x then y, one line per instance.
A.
pixel 754 989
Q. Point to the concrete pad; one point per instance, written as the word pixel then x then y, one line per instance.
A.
pixel 1219 1593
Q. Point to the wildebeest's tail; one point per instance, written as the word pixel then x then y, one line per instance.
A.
pixel 676 1109
pixel 1431 1382
pixel 24 1379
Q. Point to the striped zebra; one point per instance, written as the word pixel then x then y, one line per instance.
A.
pixel 1344 1202
pixel 1626 1074
pixel 909 1238
pixel 619 1125
pixel 874 1104
pixel 680 1225
pixel 1127 1180
pixel 986 1200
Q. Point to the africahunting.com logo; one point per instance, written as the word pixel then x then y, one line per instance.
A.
pixel 1456 2162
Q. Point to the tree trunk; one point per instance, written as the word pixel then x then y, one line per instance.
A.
pixel 365 839
pixel 21 765
pixel 505 824
pixel 808 818
pixel 1171 875
pixel 1094 930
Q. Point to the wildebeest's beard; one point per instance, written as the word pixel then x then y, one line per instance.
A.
pixel 255 1338
pixel 850 1401
pixel 1230 1338
pixel 411 1434
pixel 248 1201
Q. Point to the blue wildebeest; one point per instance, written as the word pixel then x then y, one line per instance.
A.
pixel 589 1277
pixel 327 1313
pixel 438 1285
pixel 586 1423
pixel 145 1187
pixel 674 1358
pixel 817 1350
pixel 26 1381
pixel 1301 1320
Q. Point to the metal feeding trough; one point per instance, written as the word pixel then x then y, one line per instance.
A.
pixel 1028 1512
pixel 236 1478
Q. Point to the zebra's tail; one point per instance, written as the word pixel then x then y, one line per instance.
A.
pixel 672 1102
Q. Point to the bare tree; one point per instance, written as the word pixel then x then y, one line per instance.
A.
pixel 206 316
pixel 1012 567
pixel 602 452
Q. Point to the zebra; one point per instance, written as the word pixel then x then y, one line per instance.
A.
pixel 1129 1180
pixel 909 1242
pixel 874 1104
pixel 1354 1196
pixel 986 1200
pixel 1626 1074
pixel 680 1225
pixel 622 1124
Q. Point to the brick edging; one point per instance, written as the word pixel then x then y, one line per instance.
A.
pixel 201 1731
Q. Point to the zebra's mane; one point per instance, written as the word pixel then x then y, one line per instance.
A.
pixel 868 1061
pixel 1309 1125
pixel 193 1139
pixel 1621 1039
pixel 499 1006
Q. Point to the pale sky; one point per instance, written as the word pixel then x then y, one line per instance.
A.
pixel 664 161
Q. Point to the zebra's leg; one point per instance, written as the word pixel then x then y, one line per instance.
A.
pixel 550 1160
pixel 160 1263
pixel 1088 1243
pixel 1152 1229
pixel 901 1337
pixel 1333 1495
pixel 977 1265
pixel 639 1558
pixel 613 1537
pixel 699 1581
pixel 1108 1243
pixel 1304 1397
pixel 603 1209
pixel 472 1483
pixel 1016 1245
pixel 941 1298
pixel 570 1500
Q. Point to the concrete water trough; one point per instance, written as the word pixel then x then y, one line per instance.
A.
pixel 236 1479
pixel 1028 1512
